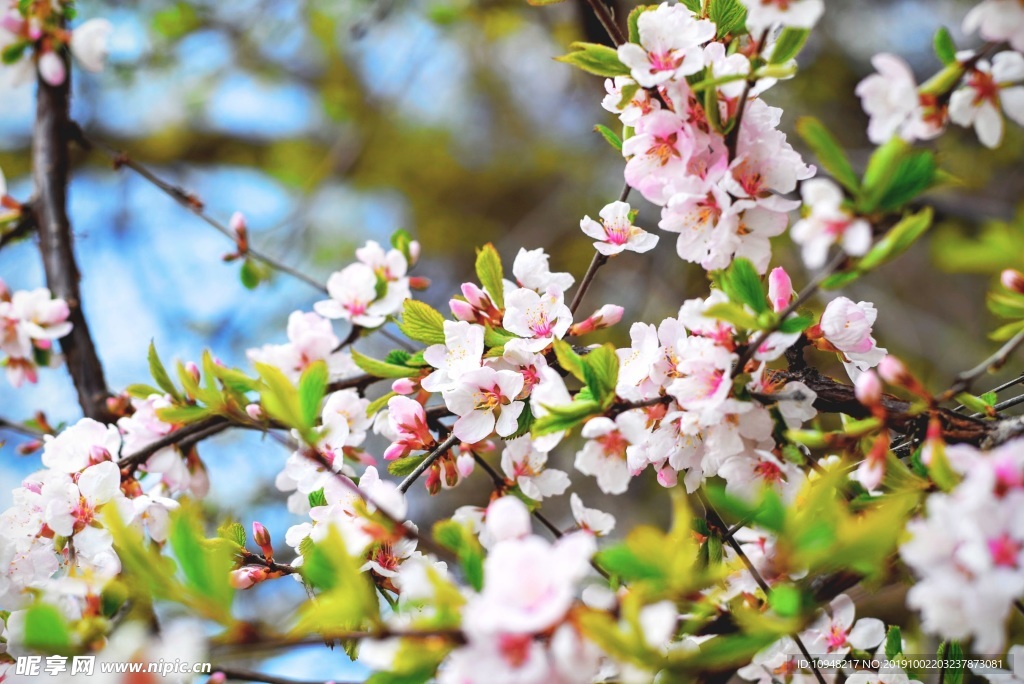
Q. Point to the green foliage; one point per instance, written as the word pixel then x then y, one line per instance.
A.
pixel 422 323
pixel 945 48
pixel 383 369
pixel 952 651
pixel 789 44
pixel 598 370
pixel 491 274
pixel 596 59
pixel 895 242
pixel 348 600
pixel 403 466
pixel 159 373
pixel 281 400
pixel 253 273
pixel 896 174
pixel 46 630
pixel 460 540
pixel 893 642
pixel 1006 304
pixel 730 16
pixel 402 241
pixel 743 286
pixel 312 387
pixel 232 531
pixel 205 564
pixel 634 18
pixel 988 250
pixel 317 498
pixel 610 136
pixel 829 152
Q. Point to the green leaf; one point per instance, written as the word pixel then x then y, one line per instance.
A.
pixel 142 391
pixel 379 403
pixel 952 651
pixel 317 498
pixel 252 274
pixel 460 539
pixel 182 415
pixel 280 398
pixel 421 322
pixel 46 629
pixel 786 600
pixel 743 286
pixel 567 417
pixel 633 21
pixel 730 16
pixel 893 642
pixel 525 423
pixel 733 313
pixel 496 337
pixel 789 44
pixel 1006 332
pixel 972 402
pixel 382 369
pixel 1006 304
pixel 896 174
pixel 159 373
pixel 13 52
pixel 601 370
pixel 234 532
pixel 596 59
pixel 312 387
pixel 841 279
pixel 610 136
pixel 829 152
pixel 796 323
pixel 402 241
pixel 403 466
pixel 206 566
pixel 491 274
pixel 945 48
pixel 898 240
pixel 569 360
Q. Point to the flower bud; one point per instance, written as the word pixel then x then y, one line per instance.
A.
pixel 419 282
pixel 465 464
pixel 780 289
pixel 667 477
pixel 193 370
pixel 51 68
pixel 29 447
pixel 262 538
pixel 463 311
pixel 238 224
pixel 607 316
pixel 403 386
pixel 243 578
pixel 451 473
pixel 217 678
pixel 893 371
pixel 1012 279
pixel 255 411
pixel 98 454
pixel 433 482
pixel 414 252
pixel 476 297
pixel 5 292
pixel 868 389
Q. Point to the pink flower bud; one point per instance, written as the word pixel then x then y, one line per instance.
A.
pixel 243 578
pixel 262 539
pixel 217 678
pixel 419 282
pixel 893 371
pixel 98 454
pixel 255 411
pixel 608 315
pixel 780 289
pixel 451 473
pixel 433 482
pixel 463 311
pixel 5 292
pixel 403 386
pixel 238 224
pixel 414 252
pixel 44 345
pixel 465 464
pixel 1012 280
pixel 667 477
pixel 476 297
pixel 193 370
pixel 868 389
pixel 52 69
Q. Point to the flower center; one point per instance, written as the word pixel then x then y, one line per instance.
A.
pixel 1004 551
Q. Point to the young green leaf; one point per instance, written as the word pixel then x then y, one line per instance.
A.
pixel 789 44
pixel 829 152
pixel 422 322
pixel 159 373
pixel 945 48
pixel 382 369
pixel 312 387
pixel 730 16
pixel 317 498
pixel 45 629
pixel 596 59
pixel 491 274
pixel 610 136
pixel 893 642
pixel 743 286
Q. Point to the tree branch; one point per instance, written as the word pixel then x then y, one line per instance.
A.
pixel 437 453
pixel 50 172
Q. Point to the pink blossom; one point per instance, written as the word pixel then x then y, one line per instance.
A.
pixel 409 422
pixel 485 401
pixel 847 327
pixel 670 40
pixel 616 233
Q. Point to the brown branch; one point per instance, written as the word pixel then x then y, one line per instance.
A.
pixel 604 15
pixel 428 461
pixel 241 675
pixel 50 171
pixel 189 201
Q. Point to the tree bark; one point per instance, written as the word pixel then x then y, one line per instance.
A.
pixel 50 172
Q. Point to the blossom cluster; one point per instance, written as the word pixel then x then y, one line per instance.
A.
pixel 33 35
pixel 30 322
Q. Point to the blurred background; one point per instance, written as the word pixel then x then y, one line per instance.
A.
pixel 330 123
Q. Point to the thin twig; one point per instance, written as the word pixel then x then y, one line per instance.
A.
pixel 428 461
pixel 241 675
pixel 996 390
pixel 596 263
pixel 192 203
pixel 604 15
pixel 805 294
pixel 20 428
pixel 731 540
pixel 732 138
pixel 993 363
